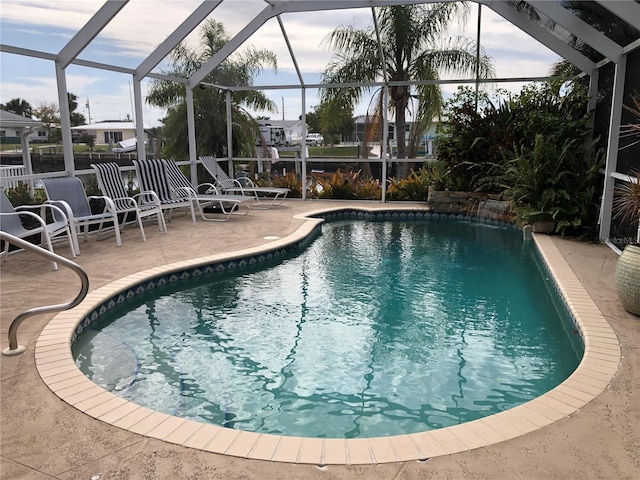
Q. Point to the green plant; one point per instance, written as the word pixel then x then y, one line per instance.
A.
pixel 21 195
pixel 478 140
pixel 626 201
pixel 414 188
pixel 554 182
pixel 345 186
pixel 290 181
pixel 339 186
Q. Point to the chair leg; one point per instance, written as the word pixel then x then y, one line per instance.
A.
pixel 161 223
pixel 74 237
pixel 139 216
pixel 116 228
pixel 46 240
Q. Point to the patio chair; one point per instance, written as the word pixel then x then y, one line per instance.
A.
pixel 225 204
pixel 110 182
pixel 264 197
pixel 68 194
pixel 153 177
pixel 11 222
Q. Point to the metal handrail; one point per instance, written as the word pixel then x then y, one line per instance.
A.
pixel 14 348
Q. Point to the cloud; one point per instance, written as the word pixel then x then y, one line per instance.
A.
pixel 143 24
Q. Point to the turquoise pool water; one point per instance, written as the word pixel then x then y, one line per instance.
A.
pixel 377 328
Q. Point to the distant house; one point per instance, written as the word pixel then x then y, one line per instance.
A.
pixel 292 129
pixel 107 133
pixel 13 127
pixel 426 139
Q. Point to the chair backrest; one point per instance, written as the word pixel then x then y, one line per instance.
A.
pixel 153 176
pixel 71 190
pixel 11 223
pixel 110 182
pixel 177 178
pixel 220 176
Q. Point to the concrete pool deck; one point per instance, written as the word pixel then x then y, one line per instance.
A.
pixel 44 437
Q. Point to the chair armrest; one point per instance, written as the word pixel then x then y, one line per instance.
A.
pixel 249 184
pixel 109 206
pixel 210 188
pixel 131 201
pixel 32 215
pixel 191 193
pixel 61 205
pixel 43 207
pixel 147 197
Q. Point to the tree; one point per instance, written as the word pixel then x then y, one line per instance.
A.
pixel 76 118
pixel 49 115
pixel 19 107
pixel 336 119
pixel 412 51
pixel 209 102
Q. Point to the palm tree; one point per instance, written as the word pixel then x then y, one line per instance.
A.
pixel 19 107
pixel 210 103
pixel 410 36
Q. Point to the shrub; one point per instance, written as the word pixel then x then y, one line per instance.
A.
pixel 22 195
pixel 414 188
pixel 346 186
pixel 290 181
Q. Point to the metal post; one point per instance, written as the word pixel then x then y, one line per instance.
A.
pixel 191 133
pixel 385 135
pixel 65 122
pixel 612 148
pixel 229 132
pixel 137 94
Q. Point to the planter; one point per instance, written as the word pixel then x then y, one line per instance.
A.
pixel 544 226
pixel 628 278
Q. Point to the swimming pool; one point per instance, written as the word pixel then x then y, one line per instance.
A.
pixel 394 393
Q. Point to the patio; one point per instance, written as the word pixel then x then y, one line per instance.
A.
pixel 44 437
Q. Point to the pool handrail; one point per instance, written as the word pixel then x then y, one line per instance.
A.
pixel 14 348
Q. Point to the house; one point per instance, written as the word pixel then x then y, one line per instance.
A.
pixel 108 132
pixel 13 127
pixel 292 129
pixel 426 139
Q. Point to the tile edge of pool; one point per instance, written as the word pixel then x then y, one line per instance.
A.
pixel 592 376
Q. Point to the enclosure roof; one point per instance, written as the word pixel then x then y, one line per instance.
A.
pixel 549 22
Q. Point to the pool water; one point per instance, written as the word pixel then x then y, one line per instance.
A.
pixel 376 329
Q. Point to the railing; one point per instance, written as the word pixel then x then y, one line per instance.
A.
pixel 14 348
pixel 8 175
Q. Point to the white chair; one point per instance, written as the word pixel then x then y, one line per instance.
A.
pixel 110 182
pixel 68 194
pixel 11 222
pixel 153 177
pixel 226 204
pixel 264 197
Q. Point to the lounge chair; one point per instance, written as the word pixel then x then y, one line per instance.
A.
pixel 68 194
pixel 153 177
pixel 10 222
pixel 225 204
pixel 110 182
pixel 264 197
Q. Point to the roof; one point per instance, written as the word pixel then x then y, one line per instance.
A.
pixel 280 123
pixel 8 119
pixel 107 126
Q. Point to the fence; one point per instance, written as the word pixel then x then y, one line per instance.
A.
pixel 9 174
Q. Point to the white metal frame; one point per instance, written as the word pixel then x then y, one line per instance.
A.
pixel 627 10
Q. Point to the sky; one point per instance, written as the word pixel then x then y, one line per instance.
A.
pixel 142 25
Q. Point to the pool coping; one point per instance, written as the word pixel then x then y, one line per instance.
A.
pixel 593 375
